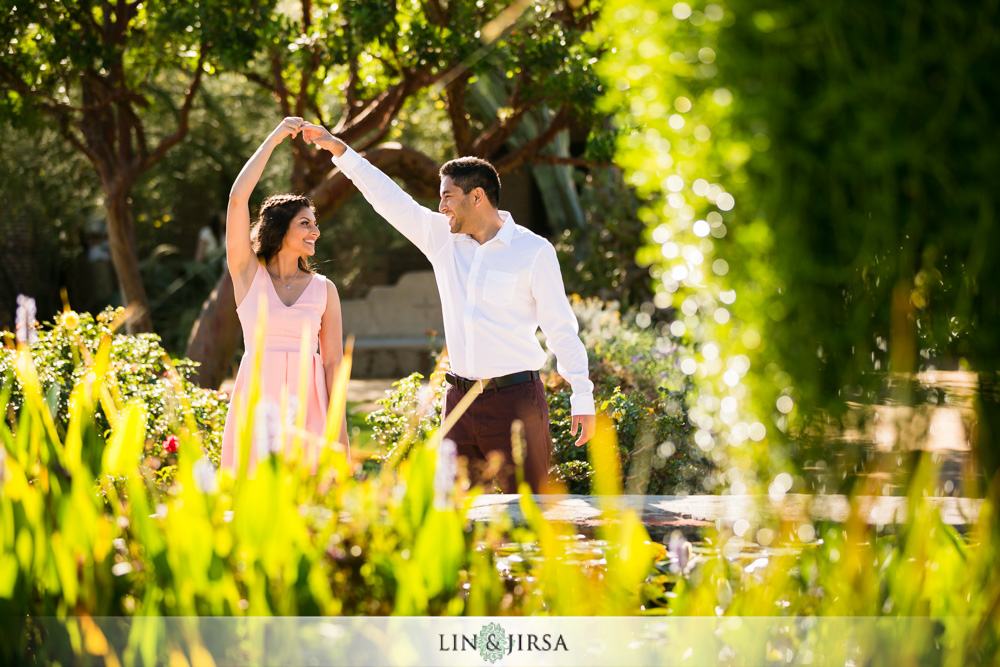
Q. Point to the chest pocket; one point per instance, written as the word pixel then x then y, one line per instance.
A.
pixel 499 288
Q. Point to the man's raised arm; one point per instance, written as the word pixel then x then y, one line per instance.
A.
pixel 423 227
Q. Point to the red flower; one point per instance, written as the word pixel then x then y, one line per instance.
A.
pixel 170 444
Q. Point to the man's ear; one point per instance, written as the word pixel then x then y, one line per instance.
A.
pixel 478 196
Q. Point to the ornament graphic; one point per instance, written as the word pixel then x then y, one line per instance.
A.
pixel 492 642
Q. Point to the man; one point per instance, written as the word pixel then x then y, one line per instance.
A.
pixel 499 283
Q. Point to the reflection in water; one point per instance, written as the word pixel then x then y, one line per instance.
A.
pixel 875 446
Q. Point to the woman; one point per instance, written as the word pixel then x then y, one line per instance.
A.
pixel 299 309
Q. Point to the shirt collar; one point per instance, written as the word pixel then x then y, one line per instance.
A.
pixel 506 232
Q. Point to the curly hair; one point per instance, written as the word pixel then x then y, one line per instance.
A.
pixel 275 216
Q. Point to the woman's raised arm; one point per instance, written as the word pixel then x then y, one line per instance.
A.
pixel 241 258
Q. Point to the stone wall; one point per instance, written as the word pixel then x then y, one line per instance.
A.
pixel 396 327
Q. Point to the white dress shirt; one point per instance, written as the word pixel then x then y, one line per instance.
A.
pixel 494 296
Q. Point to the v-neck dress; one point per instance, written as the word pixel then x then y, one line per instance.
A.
pixel 280 380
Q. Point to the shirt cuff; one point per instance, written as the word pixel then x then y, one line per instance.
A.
pixel 349 160
pixel 582 404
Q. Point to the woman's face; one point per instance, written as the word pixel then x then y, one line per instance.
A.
pixel 302 233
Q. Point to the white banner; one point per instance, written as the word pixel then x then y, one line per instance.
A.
pixel 504 641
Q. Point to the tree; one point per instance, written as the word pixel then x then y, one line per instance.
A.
pixel 355 67
pixel 99 70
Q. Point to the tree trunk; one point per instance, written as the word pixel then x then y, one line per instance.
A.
pixel 125 258
pixel 215 335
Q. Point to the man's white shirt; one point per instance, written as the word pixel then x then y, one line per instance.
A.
pixel 494 296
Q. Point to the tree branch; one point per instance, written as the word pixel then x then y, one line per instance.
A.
pixel 97 127
pixel 571 161
pixel 384 125
pixel 182 120
pixel 302 100
pixel 493 137
pixel 314 107
pixel 279 88
pixel 140 139
pixel 378 113
pixel 435 12
pixel 419 172
pixel 350 97
pixel 106 20
pixel 530 148
pixel 455 101
pixel 121 18
pixel 261 81
pixel 75 142
pixel 53 106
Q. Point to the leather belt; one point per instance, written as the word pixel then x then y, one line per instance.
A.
pixel 492 383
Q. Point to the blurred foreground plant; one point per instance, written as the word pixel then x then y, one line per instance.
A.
pixel 277 540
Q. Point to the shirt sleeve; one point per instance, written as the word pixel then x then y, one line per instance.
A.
pixel 423 227
pixel 558 322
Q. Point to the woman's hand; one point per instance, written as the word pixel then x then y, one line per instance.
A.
pixel 289 127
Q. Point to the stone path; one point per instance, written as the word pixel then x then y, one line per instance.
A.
pixel 663 514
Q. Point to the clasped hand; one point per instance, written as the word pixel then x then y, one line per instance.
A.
pixel 293 126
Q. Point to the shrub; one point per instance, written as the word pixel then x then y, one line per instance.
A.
pixel 638 384
pixel 409 412
pixel 140 370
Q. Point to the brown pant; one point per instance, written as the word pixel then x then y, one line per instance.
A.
pixel 486 427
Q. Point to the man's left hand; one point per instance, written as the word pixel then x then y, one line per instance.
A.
pixel 587 424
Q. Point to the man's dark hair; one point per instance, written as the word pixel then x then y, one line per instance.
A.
pixel 470 173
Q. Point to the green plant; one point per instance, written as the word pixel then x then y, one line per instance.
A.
pixel 638 384
pixel 138 370
pixel 279 540
pixel 409 414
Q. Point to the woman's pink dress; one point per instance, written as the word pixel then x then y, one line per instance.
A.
pixel 279 381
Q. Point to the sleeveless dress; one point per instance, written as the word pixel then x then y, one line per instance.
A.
pixel 281 366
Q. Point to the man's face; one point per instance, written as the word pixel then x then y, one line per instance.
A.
pixel 456 205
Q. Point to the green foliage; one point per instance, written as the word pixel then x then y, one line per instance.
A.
pixel 598 259
pixel 686 161
pixel 133 41
pixel 833 188
pixel 409 414
pixel 638 384
pixel 279 541
pixel 361 50
pixel 285 541
pixel 139 372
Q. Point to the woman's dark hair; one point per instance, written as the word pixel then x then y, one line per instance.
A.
pixel 269 231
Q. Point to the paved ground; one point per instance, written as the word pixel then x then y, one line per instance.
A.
pixel 368 391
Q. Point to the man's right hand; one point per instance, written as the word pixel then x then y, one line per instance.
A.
pixel 322 138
